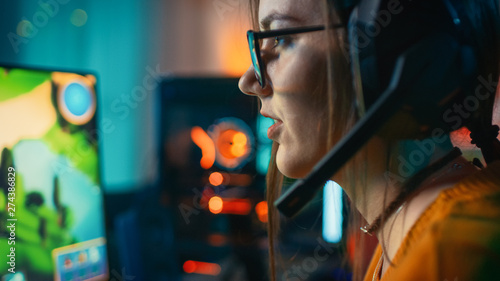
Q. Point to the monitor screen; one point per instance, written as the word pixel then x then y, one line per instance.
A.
pixel 51 201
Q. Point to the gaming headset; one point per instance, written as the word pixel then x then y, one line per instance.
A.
pixel 413 59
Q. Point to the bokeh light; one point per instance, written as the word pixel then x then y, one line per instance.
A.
pixel 205 143
pixel 205 268
pixel 78 17
pixel 216 178
pixel 239 148
pixel 215 205
pixel 189 266
pixel 261 210
pixel 25 29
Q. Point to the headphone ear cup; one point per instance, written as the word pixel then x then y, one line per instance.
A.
pixel 440 86
pixel 431 79
pixel 424 33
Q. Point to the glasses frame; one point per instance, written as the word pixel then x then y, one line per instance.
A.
pixel 253 38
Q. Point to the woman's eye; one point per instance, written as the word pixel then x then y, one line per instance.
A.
pixel 281 41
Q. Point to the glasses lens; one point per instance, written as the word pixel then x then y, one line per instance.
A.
pixel 254 49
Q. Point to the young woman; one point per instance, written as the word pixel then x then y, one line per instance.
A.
pixel 435 214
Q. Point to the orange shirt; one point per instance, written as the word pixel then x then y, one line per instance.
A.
pixel 457 238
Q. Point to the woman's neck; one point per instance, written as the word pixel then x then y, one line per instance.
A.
pixel 388 169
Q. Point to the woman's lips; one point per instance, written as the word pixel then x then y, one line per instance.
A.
pixel 274 130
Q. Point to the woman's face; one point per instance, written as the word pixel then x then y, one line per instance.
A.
pixel 295 69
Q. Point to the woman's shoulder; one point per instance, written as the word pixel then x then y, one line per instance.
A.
pixel 477 195
pixel 465 243
pixel 460 240
pixel 454 248
pixel 471 209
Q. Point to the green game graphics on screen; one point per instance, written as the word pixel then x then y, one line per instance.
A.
pixel 51 209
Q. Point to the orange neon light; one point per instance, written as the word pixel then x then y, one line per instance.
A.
pixel 232 206
pixel 261 210
pixel 232 144
pixel 239 148
pixel 216 178
pixel 215 204
pixel 236 206
pixel 205 143
pixel 200 267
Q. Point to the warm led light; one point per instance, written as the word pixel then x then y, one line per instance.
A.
pixel 261 210
pixel 232 206
pixel 215 204
pixel 205 143
pixel 199 267
pixel 239 148
pixel 238 151
pixel 234 57
pixel 233 144
pixel 240 207
pixel 189 266
pixel 240 139
pixel 216 178
pixel 225 144
pixel 233 140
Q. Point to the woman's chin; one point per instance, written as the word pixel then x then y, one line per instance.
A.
pixel 293 174
pixel 293 169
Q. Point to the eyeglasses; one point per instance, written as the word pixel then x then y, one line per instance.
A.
pixel 254 37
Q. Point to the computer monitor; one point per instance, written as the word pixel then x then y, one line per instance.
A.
pixel 51 201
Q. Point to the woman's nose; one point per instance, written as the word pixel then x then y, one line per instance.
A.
pixel 249 84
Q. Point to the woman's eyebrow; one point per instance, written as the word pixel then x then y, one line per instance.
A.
pixel 265 23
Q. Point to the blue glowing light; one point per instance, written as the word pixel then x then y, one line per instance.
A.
pixel 263 123
pixel 263 157
pixel 77 99
pixel 264 144
pixel 332 212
